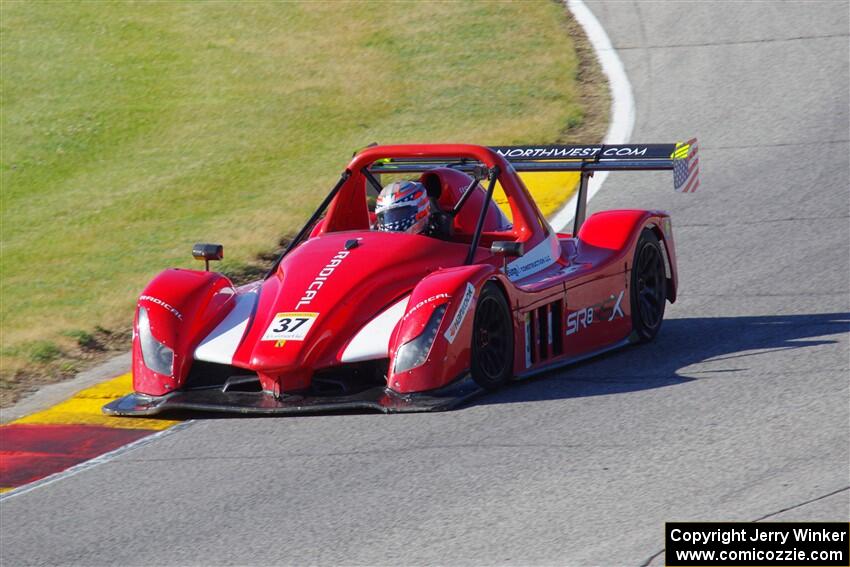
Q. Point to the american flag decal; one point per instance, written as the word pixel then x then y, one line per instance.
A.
pixel 685 166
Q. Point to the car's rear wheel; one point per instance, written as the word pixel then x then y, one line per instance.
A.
pixel 649 287
pixel 492 339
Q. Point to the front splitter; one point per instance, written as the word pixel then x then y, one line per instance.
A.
pixel 374 399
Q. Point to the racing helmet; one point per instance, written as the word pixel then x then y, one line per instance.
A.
pixel 403 206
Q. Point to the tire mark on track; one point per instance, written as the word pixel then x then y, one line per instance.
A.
pixel 800 505
pixel 654 556
pixel 392 451
pixel 761 221
pixel 777 145
pixel 739 42
pixel 644 39
pixel 796 294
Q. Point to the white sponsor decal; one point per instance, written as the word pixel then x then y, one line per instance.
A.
pixel 540 153
pixel 462 310
pixel 291 326
pixel 162 304
pixel 624 151
pixel 568 152
pixel 538 258
pixel 617 311
pixel 319 280
pixel 578 320
pixel 604 310
pixel 425 302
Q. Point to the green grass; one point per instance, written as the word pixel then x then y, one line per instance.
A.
pixel 132 130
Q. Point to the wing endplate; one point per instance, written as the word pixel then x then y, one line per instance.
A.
pixel 685 166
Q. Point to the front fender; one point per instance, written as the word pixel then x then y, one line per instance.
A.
pixel 449 356
pixel 183 306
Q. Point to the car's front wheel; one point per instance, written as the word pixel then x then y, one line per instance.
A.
pixel 649 287
pixel 492 339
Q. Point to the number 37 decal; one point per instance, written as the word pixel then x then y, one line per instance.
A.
pixel 290 326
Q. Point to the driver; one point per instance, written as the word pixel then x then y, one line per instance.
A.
pixel 403 206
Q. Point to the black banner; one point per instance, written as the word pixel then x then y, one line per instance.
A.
pixel 742 544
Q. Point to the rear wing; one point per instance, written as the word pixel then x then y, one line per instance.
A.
pixel 680 157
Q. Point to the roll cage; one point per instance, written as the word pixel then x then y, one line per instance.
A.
pixel 347 199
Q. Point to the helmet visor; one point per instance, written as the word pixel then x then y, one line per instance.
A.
pixel 397 218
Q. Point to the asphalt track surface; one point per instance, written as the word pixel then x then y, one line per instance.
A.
pixel 739 410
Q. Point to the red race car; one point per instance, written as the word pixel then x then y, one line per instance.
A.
pixel 362 312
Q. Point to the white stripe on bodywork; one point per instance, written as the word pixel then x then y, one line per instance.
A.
pixel 221 344
pixel 538 258
pixel 373 340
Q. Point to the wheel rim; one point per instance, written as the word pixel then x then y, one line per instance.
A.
pixel 650 286
pixel 491 338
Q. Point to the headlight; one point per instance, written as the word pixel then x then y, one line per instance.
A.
pixel 156 355
pixel 413 353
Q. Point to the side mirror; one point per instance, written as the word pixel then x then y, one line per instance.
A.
pixel 207 252
pixel 507 248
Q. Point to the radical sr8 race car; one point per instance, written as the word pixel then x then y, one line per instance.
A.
pixel 350 317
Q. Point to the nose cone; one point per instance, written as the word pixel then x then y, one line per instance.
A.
pixel 326 290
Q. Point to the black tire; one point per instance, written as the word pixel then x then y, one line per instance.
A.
pixel 492 339
pixel 649 287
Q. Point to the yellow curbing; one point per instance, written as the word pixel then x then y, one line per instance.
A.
pixel 549 189
pixel 84 408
